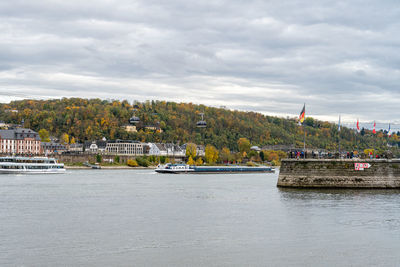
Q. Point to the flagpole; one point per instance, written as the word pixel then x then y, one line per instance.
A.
pixel 304 130
pixel 339 137
pixel 373 136
pixel 356 144
pixel 358 152
pixel 304 140
pixel 302 122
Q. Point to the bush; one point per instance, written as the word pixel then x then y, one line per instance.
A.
pixel 250 164
pixel 98 158
pixel 132 163
pixel 142 162
pixel 162 159
pixel 116 159
pixel 275 163
pixel 152 158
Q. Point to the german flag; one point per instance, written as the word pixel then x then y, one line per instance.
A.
pixel 302 114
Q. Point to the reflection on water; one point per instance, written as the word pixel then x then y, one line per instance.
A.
pixel 127 217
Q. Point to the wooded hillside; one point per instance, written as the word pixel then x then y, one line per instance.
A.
pixel 90 119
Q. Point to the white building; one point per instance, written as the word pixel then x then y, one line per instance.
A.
pixel 122 147
pixel 93 148
pixel 169 149
pixel 154 150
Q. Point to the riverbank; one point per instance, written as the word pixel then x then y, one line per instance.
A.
pixel 109 168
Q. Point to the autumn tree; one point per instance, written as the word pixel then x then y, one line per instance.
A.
pixel 65 138
pixel 190 161
pixel 211 154
pixel 225 154
pixel 89 119
pixel 244 145
pixel 199 161
pixel 191 150
pixel 44 135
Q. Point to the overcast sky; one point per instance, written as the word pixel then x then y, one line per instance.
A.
pixel 271 56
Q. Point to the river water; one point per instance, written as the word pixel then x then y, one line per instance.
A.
pixel 140 218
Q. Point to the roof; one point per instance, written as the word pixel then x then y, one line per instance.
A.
pixel 19 134
pixel 161 147
pixel 76 145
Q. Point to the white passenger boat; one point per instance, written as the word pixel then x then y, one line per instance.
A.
pixel 174 168
pixel 27 165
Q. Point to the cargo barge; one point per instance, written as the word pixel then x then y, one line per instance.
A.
pixel 184 168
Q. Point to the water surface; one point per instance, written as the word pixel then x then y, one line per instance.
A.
pixel 140 218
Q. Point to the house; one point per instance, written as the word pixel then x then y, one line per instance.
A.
pixel 255 148
pixel 162 148
pixel 130 128
pixel 153 128
pixel 11 110
pixel 77 147
pixel 20 141
pixel 4 125
pixel 174 150
pixel 154 150
pixel 200 151
pixel 95 146
pixel 53 147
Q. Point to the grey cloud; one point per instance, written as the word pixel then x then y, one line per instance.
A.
pixel 268 56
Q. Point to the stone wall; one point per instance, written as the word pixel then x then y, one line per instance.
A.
pixel 75 158
pixel 339 173
pixel 65 158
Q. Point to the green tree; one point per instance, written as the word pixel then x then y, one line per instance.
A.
pixel 163 159
pixel 98 158
pixel 262 155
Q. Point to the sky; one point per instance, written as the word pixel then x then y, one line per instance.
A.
pixel 270 56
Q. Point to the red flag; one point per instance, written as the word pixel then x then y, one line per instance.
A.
pixel 358 126
pixel 373 131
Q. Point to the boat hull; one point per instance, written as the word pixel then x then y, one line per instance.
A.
pixel 235 169
pixel 173 171
pixel 214 169
pixel 30 171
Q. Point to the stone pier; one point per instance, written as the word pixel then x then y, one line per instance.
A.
pixel 340 173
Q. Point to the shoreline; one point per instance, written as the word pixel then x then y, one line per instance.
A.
pixel 108 168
